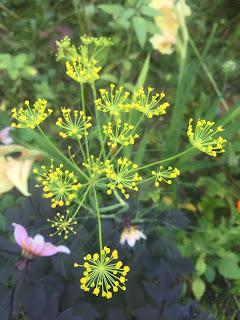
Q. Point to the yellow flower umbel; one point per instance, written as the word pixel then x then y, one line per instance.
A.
pixel 150 104
pixel 82 69
pixel 94 165
pixel 63 224
pixel 58 184
pixel 65 49
pixel 165 175
pixel 114 101
pixel 31 117
pixel 121 134
pixel 73 126
pixel 204 137
pixel 103 275
pixel 123 177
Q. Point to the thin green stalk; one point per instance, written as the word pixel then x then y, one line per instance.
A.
pixel 81 203
pixel 62 155
pixel 134 130
pixel 164 160
pixel 209 75
pixel 84 109
pixel 98 122
pixel 99 219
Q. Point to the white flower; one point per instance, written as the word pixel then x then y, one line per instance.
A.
pixel 131 235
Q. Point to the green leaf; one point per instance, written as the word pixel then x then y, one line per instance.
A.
pixel 113 9
pixel 210 274
pixel 228 268
pixel 198 288
pixel 201 265
pixel 20 60
pixel 148 11
pixel 143 74
pixel 139 25
pixel 5 61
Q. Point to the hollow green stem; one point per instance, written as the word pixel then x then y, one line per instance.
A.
pixel 62 155
pixel 84 109
pixel 164 160
pixel 98 123
pixel 209 75
pixel 99 219
pixel 81 202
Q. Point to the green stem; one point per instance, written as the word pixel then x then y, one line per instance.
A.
pixel 164 160
pixel 134 130
pixel 98 122
pixel 99 220
pixel 62 155
pixel 84 110
pixel 81 203
pixel 209 75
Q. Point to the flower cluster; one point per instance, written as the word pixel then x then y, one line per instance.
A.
pixel 65 50
pixel 103 275
pixel 94 165
pixel 58 184
pixel 203 137
pixel 82 69
pixel 123 177
pixel 114 101
pixel 165 175
pixel 171 18
pixel 150 104
pixel 96 41
pixel 31 117
pixel 74 126
pixel 81 63
pixel 63 225
pixel 122 134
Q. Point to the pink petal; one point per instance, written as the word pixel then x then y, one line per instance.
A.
pixel 20 235
pixel 37 244
pixel 4 135
pixel 50 249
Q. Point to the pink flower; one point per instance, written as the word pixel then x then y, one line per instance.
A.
pixel 35 247
pixel 4 136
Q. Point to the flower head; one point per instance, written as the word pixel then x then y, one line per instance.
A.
pixel 63 224
pixel 122 133
pixel 150 104
pixel 59 184
pixel 123 177
pixel 103 275
pixel 131 234
pixel 96 41
pixel 94 165
pixel 4 136
pixel 114 101
pixel 73 126
pixel 65 49
pixel 203 137
pixel 35 247
pixel 31 117
pixel 82 69
pixel 165 175
pixel 163 43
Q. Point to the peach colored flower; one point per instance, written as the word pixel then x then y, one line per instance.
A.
pixel 164 44
pixel 130 235
pixel 36 246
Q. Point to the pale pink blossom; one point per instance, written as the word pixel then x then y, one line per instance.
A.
pixel 4 136
pixel 131 234
pixel 36 246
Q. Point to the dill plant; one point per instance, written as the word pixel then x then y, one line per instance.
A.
pixel 102 167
